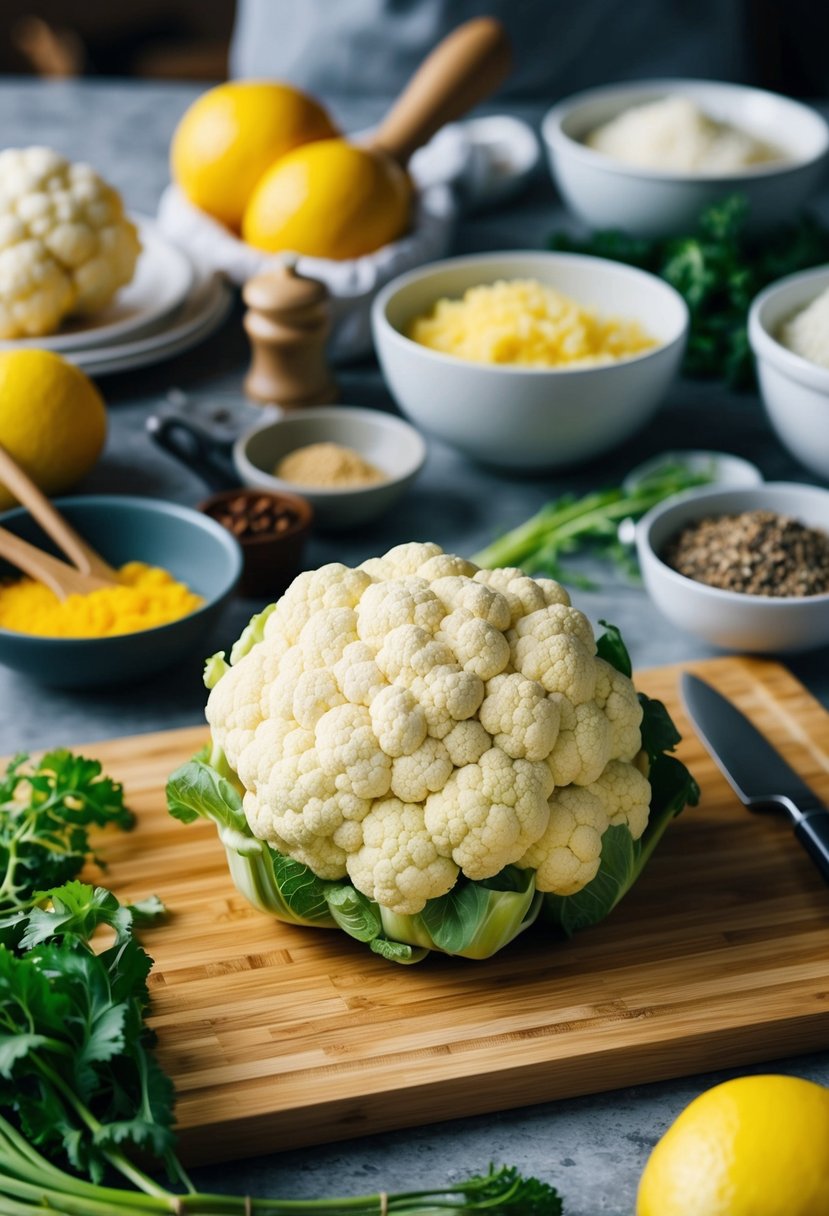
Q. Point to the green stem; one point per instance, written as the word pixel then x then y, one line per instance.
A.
pixel 115 1157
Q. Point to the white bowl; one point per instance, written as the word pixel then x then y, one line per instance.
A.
pixel 607 193
pixel 526 417
pixel 721 468
pixel 734 620
pixel 795 391
pixel 384 440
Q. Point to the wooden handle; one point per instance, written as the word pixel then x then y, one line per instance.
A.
pixel 57 575
pixel 51 521
pixel 465 68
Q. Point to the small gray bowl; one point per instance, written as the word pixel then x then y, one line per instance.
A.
pixel 195 549
pixel 734 620
pixel 386 441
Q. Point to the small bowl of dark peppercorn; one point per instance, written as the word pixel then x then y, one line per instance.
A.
pixel 745 569
pixel 272 530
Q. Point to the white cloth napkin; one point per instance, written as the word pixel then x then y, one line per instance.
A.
pixel 436 169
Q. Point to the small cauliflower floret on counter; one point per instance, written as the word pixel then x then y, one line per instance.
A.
pixel 66 246
pixel 417 721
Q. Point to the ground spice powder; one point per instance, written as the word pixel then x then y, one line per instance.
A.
pixel 328 466
pixel 756 552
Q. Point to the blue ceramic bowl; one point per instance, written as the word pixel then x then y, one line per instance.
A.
pixel 195 549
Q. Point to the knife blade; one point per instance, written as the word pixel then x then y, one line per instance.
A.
pixel 755 770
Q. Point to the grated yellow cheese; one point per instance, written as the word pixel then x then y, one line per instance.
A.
pixel 526 323
pixel 145 597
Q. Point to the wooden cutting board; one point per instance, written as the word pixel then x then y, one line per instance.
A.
pixel 279 1036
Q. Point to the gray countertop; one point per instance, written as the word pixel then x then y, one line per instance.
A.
pixel 594 1148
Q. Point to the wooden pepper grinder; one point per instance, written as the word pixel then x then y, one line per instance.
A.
pixel 288 323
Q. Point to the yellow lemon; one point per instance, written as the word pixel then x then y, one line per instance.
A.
pixel 52 419
pixel 329 199
pixel 231 134
pixel 754 1146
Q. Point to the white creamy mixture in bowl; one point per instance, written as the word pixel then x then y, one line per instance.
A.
pixel 648 157
pixel 675 134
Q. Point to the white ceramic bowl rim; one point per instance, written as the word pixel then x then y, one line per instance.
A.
pixel 552 129
pixel 190 514
pixel 765 603
pixel 551 257
pixel 416 449
pixel 766 345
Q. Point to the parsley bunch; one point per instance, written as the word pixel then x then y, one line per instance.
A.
pixel 82 1096
pixel 718 269
pixel 46 811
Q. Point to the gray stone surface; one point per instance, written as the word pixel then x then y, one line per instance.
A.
pixel 593 1148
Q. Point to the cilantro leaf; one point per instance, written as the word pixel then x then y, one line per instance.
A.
pixel 46 811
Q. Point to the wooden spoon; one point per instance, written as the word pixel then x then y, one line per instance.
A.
pixel 463 70
pixel 61 578
pixel 81 554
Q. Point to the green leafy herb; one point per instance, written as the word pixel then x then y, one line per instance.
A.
pixel 718 269
pixel 569 525
pixel 46 810
pixel 79 1082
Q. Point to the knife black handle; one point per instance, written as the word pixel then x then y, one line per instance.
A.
pixel 812 830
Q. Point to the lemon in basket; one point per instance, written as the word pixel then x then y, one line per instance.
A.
pixel 753 1146
pixel 329 199
pixel 231 134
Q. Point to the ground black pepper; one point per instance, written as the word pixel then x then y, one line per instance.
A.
pixel 756 552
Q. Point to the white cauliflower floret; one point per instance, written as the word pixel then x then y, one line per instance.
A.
pixel 298 807
pixel 523 594
pixel 521 718
pixel 406 601
pixel 409 652
pixel 582 748
pixel 398 864
pixel 488 813
pixel 617 697
pixel 398 721
pixel 331 586
pixel 555 646
pixel 625 794
pixel 402 560
pixel 479 646
pixel 567 855
pixel 448 694
pixel 422 772
pixel 417 718
pixel 350 754
pixel 66 246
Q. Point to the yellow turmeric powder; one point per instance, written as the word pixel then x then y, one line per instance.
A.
pixel 145 596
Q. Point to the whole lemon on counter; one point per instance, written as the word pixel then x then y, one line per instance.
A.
pixel 52 419
pixel 231 134
pixel 329 199
pixel 754 1146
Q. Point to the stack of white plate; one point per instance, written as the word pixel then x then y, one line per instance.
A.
pixel 168 307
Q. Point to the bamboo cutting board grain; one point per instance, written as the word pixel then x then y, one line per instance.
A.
pixel 279 1036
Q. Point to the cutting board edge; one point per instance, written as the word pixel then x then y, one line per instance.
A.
pixel 520 1086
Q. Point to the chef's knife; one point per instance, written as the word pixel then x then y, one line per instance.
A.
pixel 756 771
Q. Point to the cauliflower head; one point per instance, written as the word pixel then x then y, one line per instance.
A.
pixel 65 244
pixel 416 719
